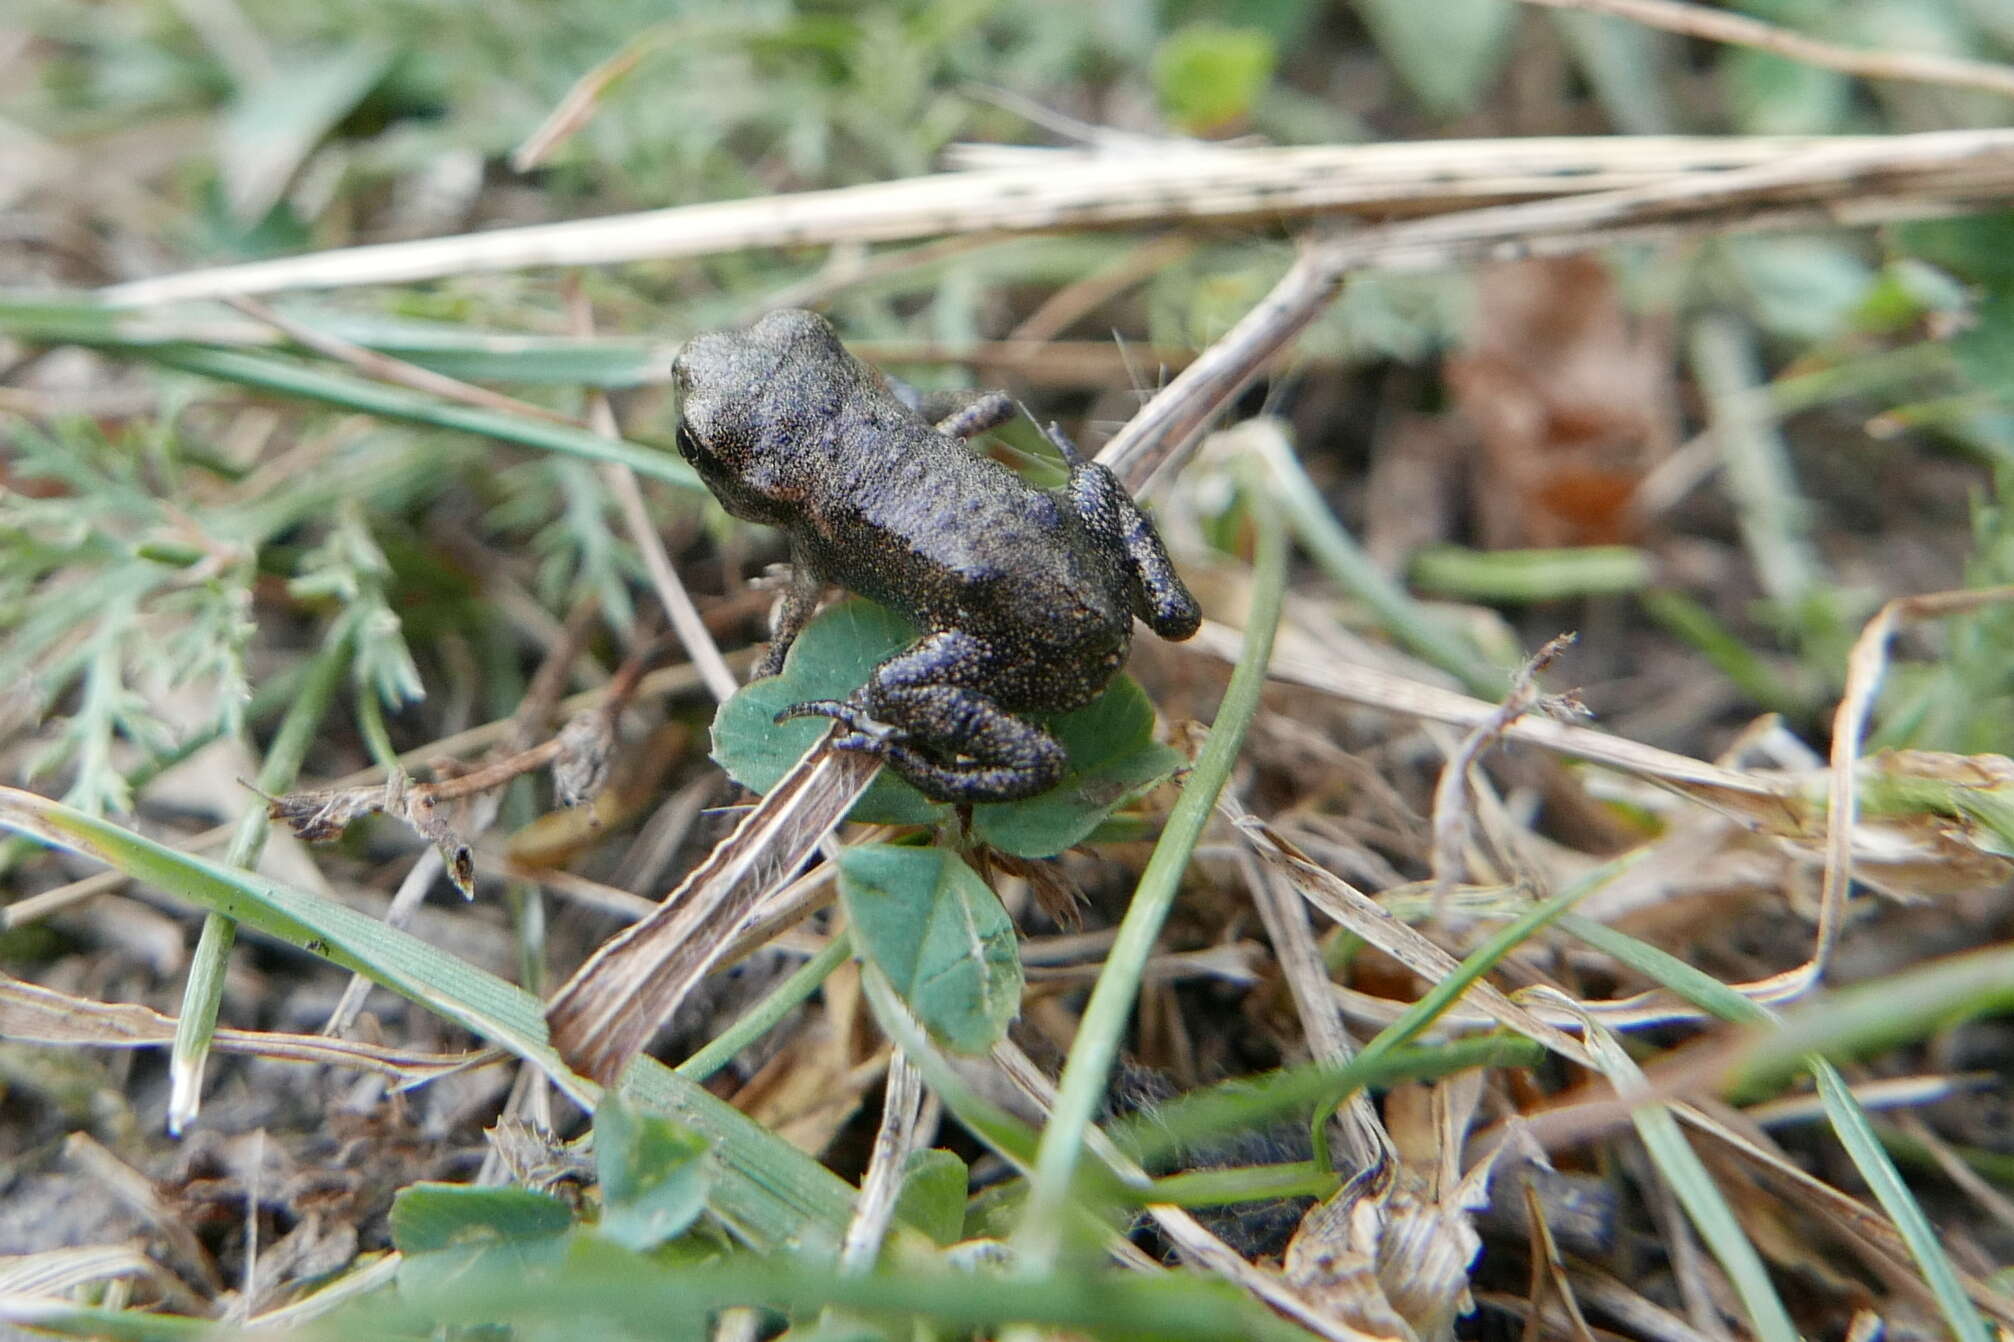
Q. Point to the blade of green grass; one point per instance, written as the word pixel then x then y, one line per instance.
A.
pixel 48 1315
pixel 1421 1015
pixel 1418 1017
pixel 1204 1116
pixel 1420 631
pixel 571 361
pixel 1229 1185
pixel 599 1282
pixel 1086 1073
pixel 1871 1016
pixel 759 1019
pixel 203 992
pixel 1531 575
pixel 1847 1115
pixel 1696 1191
pixel 772 1193
pixel 1856 1133
pixel 289 378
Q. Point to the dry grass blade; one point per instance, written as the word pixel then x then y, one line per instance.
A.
pixel 685 618
pixel 1717 25
pixel 139 1192
pixel 1870 1233
pixel 1451 793
pixel 1353 909
pixel 577 107
pixel 905 1126
pixel 1378 181
pixel 1866 1230
pixel 48 1275
pixel 1864 668
pixel 1745 795
pixel 618 999
pixel 1286 921
pixel 1549 1280
pixel 1785 805
pixel 38 1015
pixel 1970 166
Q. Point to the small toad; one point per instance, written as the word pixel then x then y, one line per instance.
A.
pixel 1026 596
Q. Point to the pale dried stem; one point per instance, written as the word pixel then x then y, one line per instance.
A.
pixel 406 901
pixel 1895 1092
pixel 633 984
pixel 1451 790
pixel 1864 668
pixel 1549 1281
pixel 1962 1176
pixel 1365 1140
pixel 1975 163
pixel 1375 688
pixel 1064 190
pixel 903 1129
pixel 686 621
pixel 1718 25
pixel 1690 1265
pixel 31 1013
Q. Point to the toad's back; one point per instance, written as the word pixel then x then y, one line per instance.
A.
pixel 880 502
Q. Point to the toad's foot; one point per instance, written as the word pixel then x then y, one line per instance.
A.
pixel 847 714
pixel 1000 758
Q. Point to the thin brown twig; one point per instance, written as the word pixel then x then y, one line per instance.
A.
pixel 1076 300
pixel 1451 791
pixel 580 102
pixel 1717 25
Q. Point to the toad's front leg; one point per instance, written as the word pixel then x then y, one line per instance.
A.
pixel 923 714
pixel 1158 594
pixel 800 602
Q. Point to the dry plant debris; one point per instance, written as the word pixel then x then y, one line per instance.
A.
pixel 1396 983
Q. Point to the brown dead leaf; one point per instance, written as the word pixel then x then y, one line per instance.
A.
pixel 1389 1252
pixel 1570 400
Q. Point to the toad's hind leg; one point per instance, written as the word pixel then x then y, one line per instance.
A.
pixel 922 715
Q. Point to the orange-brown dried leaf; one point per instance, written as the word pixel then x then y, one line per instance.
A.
pixel 1570 400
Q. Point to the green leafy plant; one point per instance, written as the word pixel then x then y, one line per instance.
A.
pixel 928 922
pixel 1113 756
pixel 654 1173
pixel 1209 76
